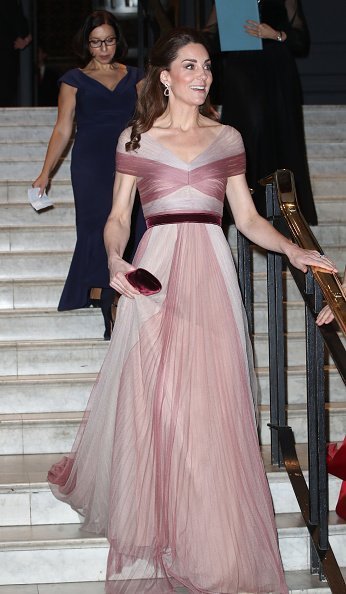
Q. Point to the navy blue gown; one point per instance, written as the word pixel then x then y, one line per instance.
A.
pixel 101 115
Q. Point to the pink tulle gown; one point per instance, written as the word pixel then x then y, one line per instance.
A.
pixel 166 462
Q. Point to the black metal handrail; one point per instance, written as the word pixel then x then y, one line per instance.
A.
pixel 284 214
pixel 303 236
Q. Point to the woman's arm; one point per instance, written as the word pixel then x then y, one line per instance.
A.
pixel 117 233
pixel 261 232
pixel 298 37
pixel 60 136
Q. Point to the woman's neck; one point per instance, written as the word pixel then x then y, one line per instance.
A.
pixel 180 118
pixel 94 65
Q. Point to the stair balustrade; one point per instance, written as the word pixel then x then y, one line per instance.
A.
pixel 284 214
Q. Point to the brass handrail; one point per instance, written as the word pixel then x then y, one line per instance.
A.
pixel 329 282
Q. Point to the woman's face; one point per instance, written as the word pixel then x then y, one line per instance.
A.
pixel 105 53
pixel 189 76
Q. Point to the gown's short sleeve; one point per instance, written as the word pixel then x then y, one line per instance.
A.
pixel 139 74
pixel 234 146
pixel 71 77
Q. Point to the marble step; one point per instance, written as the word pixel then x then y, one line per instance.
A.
pixel 45 293
pixel 19 239
pixel 15 192
pixel 331 213
pixel 331 210
pixel 298 582
pixel 259 279
pixel 327 114
pixel 38 116
pixel 27 116
pixel 47 357
pixel 295 349
pixel 41 265
pixel 33 324
pixel 48 393
pixel 324 186
pixel 325 149
pixel 51 357
pixel 36 151
pixel 33 293
pixel 18 151
pixel 26 133
pixel 297 419
pixel 19 166
pixel 70 392
pixel 328 233
pixel 59 214
pixel 326 167
pixel 44 265
pixel 325 129
pixel 25 498
pixel 29 151
pixel 294 316
pixel 296 385
pixel 39 433
pixel 30 238
pixel 30 169
pixel 58 553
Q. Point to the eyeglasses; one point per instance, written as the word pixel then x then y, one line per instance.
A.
pixel 98 42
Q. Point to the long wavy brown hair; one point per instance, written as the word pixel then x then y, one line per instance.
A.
pixel 152 103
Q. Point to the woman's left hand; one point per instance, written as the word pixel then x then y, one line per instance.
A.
pixel 261 30
pixel 325 316
pixel 301 259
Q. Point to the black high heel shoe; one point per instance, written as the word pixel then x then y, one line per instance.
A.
pixel 106 304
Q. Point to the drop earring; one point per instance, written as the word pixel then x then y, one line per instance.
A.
pixel 166 91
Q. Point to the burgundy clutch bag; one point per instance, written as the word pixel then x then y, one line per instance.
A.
pixel 145 282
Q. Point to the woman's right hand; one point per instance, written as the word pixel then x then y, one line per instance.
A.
pixel 262 30
pixel 117 270
pixel 41 182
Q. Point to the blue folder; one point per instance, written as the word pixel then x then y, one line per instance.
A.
pixel 231 17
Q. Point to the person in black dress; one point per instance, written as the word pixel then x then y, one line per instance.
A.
pixel 14 36
pixel 261 97
pixel 47 78
pixel 101 97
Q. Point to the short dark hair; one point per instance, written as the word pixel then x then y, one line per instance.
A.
pixel 93 20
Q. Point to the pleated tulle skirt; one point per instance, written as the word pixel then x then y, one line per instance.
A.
pixel 166 462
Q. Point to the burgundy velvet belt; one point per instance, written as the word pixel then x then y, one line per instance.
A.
pixel 184 217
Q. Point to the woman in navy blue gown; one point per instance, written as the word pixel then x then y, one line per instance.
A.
pixel 101 98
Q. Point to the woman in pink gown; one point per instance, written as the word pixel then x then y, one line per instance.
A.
pixel 166 463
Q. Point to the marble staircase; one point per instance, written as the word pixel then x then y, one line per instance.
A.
pixel 49 361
